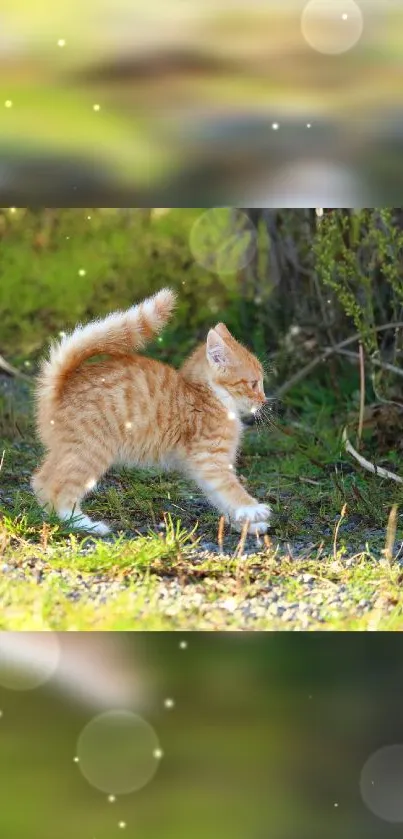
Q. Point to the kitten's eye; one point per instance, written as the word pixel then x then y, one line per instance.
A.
pixel 255 385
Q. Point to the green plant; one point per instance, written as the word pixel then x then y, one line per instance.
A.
pixel 359 255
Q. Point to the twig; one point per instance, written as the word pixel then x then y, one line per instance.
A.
pixel 241 545
pixel 12 371
pixel 381 398
pixel 384 365
pixel 391 534
pixel 221 529
pixel 362 395
pixel 370 467
pixel 267 542
pixel 302 374
pixel 336 532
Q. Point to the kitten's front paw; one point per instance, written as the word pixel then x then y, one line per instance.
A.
pixel 258 516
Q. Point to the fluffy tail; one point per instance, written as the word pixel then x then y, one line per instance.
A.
pixel 118 334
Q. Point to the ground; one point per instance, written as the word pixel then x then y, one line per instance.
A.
pixel 331 561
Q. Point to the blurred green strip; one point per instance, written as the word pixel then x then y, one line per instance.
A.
pixel 67 122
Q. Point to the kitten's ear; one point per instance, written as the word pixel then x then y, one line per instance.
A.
pixel 223 331
pixel 218 353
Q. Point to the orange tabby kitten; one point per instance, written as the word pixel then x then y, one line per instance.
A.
pixel 133 410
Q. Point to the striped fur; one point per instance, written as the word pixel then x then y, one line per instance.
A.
pixel 134 410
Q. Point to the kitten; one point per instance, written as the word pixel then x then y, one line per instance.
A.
pixel 134 410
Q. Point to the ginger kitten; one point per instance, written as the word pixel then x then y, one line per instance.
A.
pixel 133 410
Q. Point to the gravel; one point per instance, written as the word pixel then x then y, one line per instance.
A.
pixel 202 607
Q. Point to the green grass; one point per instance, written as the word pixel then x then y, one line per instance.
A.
pixel 43 289
pixel 175 577
pixel 312 552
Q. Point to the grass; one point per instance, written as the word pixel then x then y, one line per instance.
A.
pixel 60 267
pixel 163 569
pixel 166 568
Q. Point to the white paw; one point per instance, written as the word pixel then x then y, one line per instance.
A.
pixel 259 529
pixel 258 516
pixel 252 513
pixel 99 528
pixel 79 521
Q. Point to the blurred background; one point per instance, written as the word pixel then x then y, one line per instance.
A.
pixel 287 282
pixel 260 102
pixel 268 736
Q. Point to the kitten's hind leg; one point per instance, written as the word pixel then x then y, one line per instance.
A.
pixel 62 482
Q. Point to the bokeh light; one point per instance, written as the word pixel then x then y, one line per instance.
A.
pixel 332 26
pixel 24 666
pixel 223 240
pixel 117 752
pixel 382 783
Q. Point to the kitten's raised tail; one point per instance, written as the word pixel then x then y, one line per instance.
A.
pixel 117 335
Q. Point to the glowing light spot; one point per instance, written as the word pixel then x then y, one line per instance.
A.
pixel 91 484
pixel 254 410
pixel 82 272
pixel 103 381
pixel 8 103
pixel 275 126
pixel 97 107
pixel 112 799
pixel 158 754
pixel 62 334
pixel 231 415
pixel 61 42
pixel 230 466
pixel 183 645
pixel 52 422
pixel 129 426
pixel 76 760
pixel 13 209
pixel 329 31
pixel 122 825
pixel 89 218
pixel 308 125
pixel 169 704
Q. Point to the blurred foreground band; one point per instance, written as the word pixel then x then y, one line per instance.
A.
pixel 260 103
